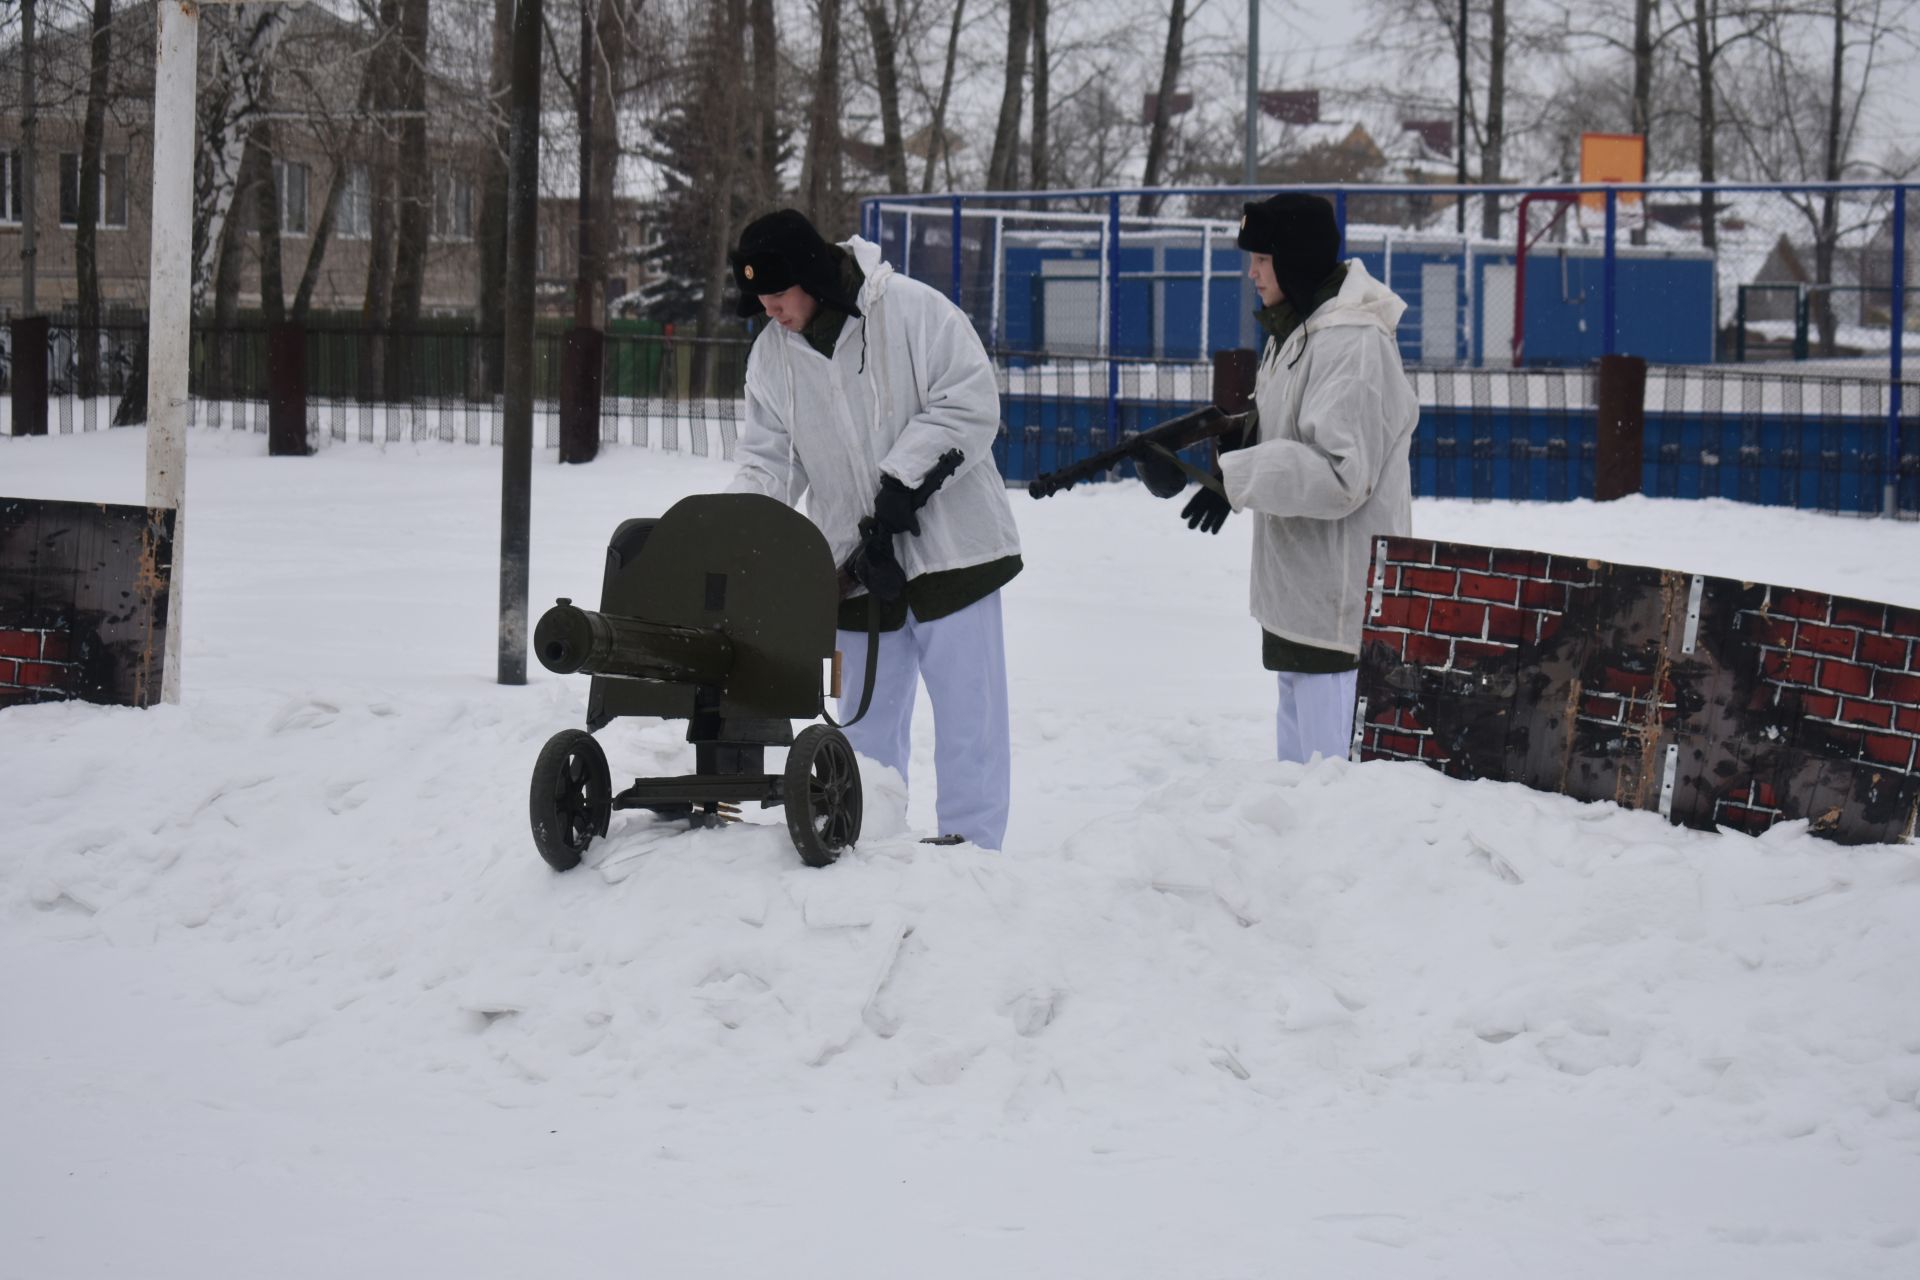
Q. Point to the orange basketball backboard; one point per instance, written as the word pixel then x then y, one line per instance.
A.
pixel 1612 157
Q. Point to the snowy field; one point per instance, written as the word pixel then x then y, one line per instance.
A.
pixel 286 992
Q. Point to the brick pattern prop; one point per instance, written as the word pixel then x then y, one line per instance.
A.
pixel 83 601
pixel 1719 703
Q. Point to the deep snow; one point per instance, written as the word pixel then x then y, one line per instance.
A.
pixel 285 991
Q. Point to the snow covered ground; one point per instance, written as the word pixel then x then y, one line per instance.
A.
pixel 285 990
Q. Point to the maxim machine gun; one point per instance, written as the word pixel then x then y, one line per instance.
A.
pixel 720 613
pixel 1154 453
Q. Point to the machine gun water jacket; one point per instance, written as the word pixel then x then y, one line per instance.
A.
pixel 908 380
pixel 1329 474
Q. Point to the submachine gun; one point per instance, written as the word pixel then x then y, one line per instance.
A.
pixel 720 613
pixel 1155 452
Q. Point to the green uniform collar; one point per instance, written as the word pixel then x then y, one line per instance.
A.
pixel 1282 318
pixel 823 330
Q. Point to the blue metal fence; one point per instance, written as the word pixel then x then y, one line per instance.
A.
pixel 1092 311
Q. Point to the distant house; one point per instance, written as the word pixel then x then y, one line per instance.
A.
pixel 1313 136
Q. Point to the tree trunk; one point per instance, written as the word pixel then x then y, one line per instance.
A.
pixel 1834 163
pixel 1495 139
pixel 820 174
pixel 330 210
pixel 226 276
pixel 1643 95
pixel 1004 165
pixel 1042 99
pixel 724 121
pixel 86 233
pixel 1705 17
pixel 1170 62
pixel 266 225
pixel 937 131
pixel 415 190
pixel 764 188
pixel 610 248
pixel 377 305
pixel 492 231
pixel 886 71
pixel 317 246
pixel 586 272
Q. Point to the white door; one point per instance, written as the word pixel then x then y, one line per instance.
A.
pixel 1496 315
pixel 1439 313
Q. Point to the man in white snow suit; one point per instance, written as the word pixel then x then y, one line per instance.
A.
pixel 871 395
pixel 1323 468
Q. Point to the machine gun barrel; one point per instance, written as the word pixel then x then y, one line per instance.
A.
pixel 570 639
pixel 1173 435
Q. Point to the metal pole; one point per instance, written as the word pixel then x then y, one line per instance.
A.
pixel 1112 279
pixel 29 159
pixel 516 461
pixel 1250 172
pixel 953 288
pixel 1340 219
pixel 1206 286
pixel 1892 497
pixel 1460 126
pixel 1609 345
pixel 170 296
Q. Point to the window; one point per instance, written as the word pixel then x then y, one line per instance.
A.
pixel 353 220
pixel 12 187
pixel 452 205
pixel 113 190
pixel 290 193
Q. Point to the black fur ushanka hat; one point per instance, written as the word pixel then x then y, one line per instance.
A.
pixel 1300 234
pixel 781 250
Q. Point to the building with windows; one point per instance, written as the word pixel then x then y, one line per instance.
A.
pixel 320 153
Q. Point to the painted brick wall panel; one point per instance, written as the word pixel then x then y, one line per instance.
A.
pixel 1832 642
pixel 19 644
pixel 1845 677
pixel 53 646
pixel 1455 618
pixel 1882 650
pixel 1830 686
pixel 1489 587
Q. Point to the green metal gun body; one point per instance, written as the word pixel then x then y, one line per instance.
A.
pixel 570 639
pixel 1157 445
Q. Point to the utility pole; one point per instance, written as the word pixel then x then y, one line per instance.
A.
pixel 29 159
pixel 1460 123
pixel 1250 171
pixel 516 460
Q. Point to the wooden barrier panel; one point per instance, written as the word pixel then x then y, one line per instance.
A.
pixel 1718 703
pixel 84 590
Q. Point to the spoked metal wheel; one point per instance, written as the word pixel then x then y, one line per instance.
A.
pixel 822 790
pixel 571 799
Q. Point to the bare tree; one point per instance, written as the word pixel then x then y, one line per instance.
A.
pixel 881 31
pixel 1037 141
pixel 1003 166
pixel 414 189
pixel 765 185
pixel 85 238
pixel 1170 63
pixel 820 174
pixel 1800 116
pixel 937 130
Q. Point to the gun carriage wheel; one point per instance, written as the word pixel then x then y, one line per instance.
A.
pixel 822 790
pixel 571 799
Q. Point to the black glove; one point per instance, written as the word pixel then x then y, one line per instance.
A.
pixel 896 508
pixel 874 566
pixel 1207 511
